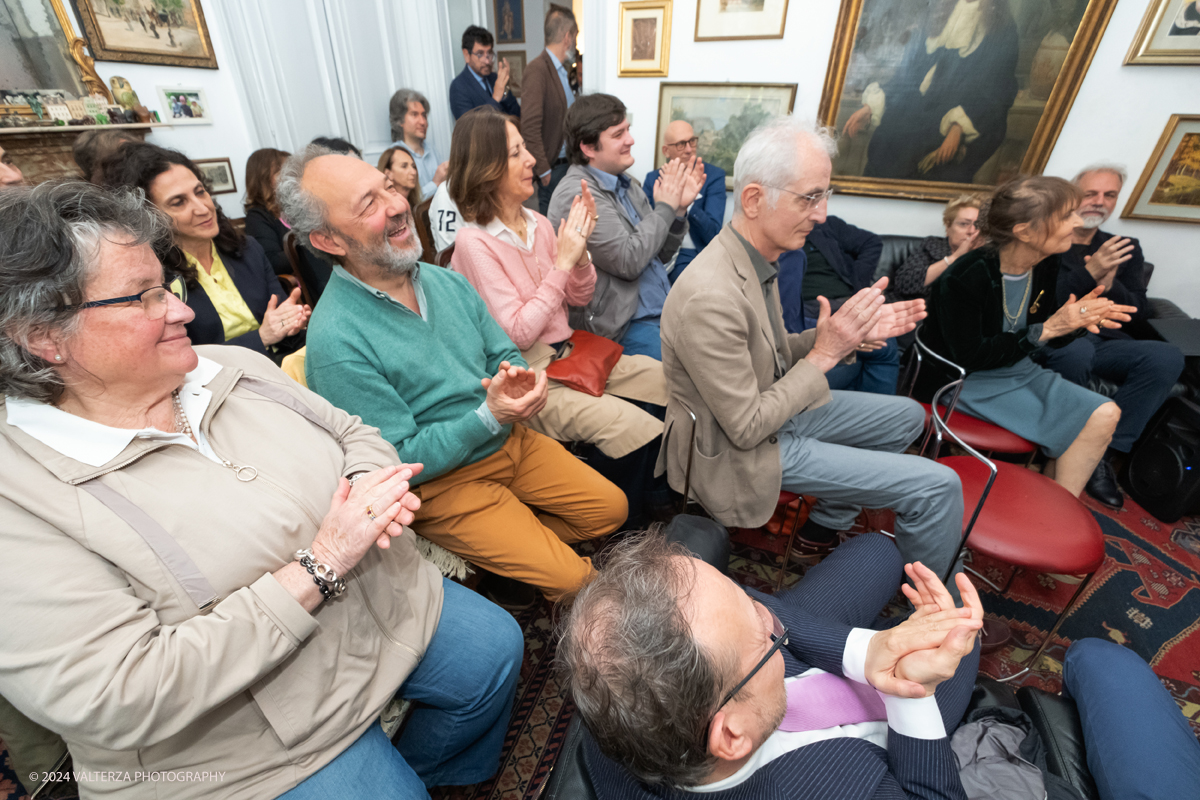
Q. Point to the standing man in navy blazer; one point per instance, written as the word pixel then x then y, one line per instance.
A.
pixel 478 85
pixel 686 680
pixel 706 214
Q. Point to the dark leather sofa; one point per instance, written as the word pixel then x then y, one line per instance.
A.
pixel 1055 718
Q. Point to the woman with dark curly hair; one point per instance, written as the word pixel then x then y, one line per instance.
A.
pixel 231 285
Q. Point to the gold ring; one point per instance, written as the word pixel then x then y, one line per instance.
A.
pixel 371 513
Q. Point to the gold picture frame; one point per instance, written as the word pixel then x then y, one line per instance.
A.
pixel 1157 42
pixel 1031 122
pixel 1164 180
pixel 747 19
pixel 709 105
pixel 149 37
pixel 516 64
pixel 644 39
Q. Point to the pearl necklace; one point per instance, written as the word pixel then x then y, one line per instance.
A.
pixel 181 421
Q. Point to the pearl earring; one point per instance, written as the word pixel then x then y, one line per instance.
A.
pixel 57 357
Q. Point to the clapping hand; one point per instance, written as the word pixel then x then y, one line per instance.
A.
pixel 1103 264
pixel 574 230
pixel 285 319
pixel 503 72
pixel 372 511
pixel 1091 311
pixel 515 394
pixel 693 182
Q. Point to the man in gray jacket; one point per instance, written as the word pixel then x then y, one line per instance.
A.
pixel 633 240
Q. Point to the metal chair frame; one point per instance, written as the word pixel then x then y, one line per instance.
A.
pixel 687 498
pixel 941 429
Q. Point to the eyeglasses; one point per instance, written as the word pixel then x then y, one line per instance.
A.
pixel 484 55
pixel 966 224
pixel 779 637
pixel 807 201
pixel 154 300
pixel 686 143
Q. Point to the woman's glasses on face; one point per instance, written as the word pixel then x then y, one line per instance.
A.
pixel 154 300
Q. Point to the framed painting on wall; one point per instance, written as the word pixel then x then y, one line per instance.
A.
pixel 184 105
pixel 644 39
pixel 935 98
pixel 516 66
pixel 219 174
pixel 721 20
pixel 1169 189
pixel 1169 34
pixel 168 32
pixel 510 21
pixel 721 114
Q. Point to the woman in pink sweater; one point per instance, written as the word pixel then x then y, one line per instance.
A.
pixel 528 275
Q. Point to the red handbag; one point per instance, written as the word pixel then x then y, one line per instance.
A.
pixel 587 367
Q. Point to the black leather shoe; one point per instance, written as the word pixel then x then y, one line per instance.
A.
pixel 509 594
pixel 1103 488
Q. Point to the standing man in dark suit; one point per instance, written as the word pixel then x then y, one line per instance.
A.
pixel 687 680
pixel 706 214
pixel 478 85
pixel 545 98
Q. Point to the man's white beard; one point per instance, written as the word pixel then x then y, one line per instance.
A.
pixel 386 256
pixel 1093 219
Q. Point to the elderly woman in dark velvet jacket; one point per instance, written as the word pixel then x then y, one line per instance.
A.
pixel 995 306
pixel 231 285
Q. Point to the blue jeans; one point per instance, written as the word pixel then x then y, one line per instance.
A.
pixel 876 371
pixel 463 693
pixel 643 338
pixel 1138 743
pixel 1146 372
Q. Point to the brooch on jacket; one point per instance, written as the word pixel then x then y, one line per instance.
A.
pixel 1033 308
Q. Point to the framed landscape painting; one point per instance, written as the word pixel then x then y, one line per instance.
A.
pixel 168 32
pixel 1169 34
pixel 721 114
pixel 219 174
pixel 934 98
pixel 1169 189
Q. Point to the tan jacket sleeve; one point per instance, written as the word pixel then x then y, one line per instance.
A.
pixel 533 95
pixel 86 658
pixel 725 377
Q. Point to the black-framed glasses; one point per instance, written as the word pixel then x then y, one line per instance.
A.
pixel 692 142
pixel 808 201
pixel 779 637
pixel 154 300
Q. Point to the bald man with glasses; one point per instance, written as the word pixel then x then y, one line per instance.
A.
pixel 706 214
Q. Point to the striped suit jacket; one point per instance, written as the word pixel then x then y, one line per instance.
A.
pixel 833 769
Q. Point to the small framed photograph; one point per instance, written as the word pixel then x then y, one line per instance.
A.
pixel 182 105
pixel 516 66
pixel 1169 34
pixel 721 114
pixel 644 39
pixel 218 172
pixel 721 20
pixel 510 21
pixel 1169 189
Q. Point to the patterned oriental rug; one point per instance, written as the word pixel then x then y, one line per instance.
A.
pixel 1146 597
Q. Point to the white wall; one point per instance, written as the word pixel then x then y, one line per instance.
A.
pixel 228 137
pixel 1118 115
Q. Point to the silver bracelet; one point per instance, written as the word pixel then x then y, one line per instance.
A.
pixel 355 477
pixel 323 575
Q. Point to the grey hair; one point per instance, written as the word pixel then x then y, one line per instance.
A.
pixel 303 210
pixel 643 685
pixel 1116 169
pixel 770 155
pixel 48 254
pixel 398 107
pixel 559 20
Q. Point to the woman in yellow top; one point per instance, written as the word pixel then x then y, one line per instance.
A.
pixel 231 285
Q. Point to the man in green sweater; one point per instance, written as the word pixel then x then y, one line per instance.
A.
pixel 411 349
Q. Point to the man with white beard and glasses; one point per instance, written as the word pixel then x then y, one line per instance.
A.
pixel 412 350
pixel 1145 370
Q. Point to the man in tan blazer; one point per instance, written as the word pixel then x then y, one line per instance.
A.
pixel 545 98
pixel 766 418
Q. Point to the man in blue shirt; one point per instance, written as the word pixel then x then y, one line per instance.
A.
pixel 545 98
pixel 477 85
pixel 633 239
pixel 409 115
pixel 706 214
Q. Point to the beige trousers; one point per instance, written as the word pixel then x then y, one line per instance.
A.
pixel 615 426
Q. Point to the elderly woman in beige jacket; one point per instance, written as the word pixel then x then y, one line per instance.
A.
pixel 188 611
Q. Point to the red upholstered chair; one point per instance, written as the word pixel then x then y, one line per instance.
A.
pixel 980 434
pixel 784 499
pixel 1028 521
